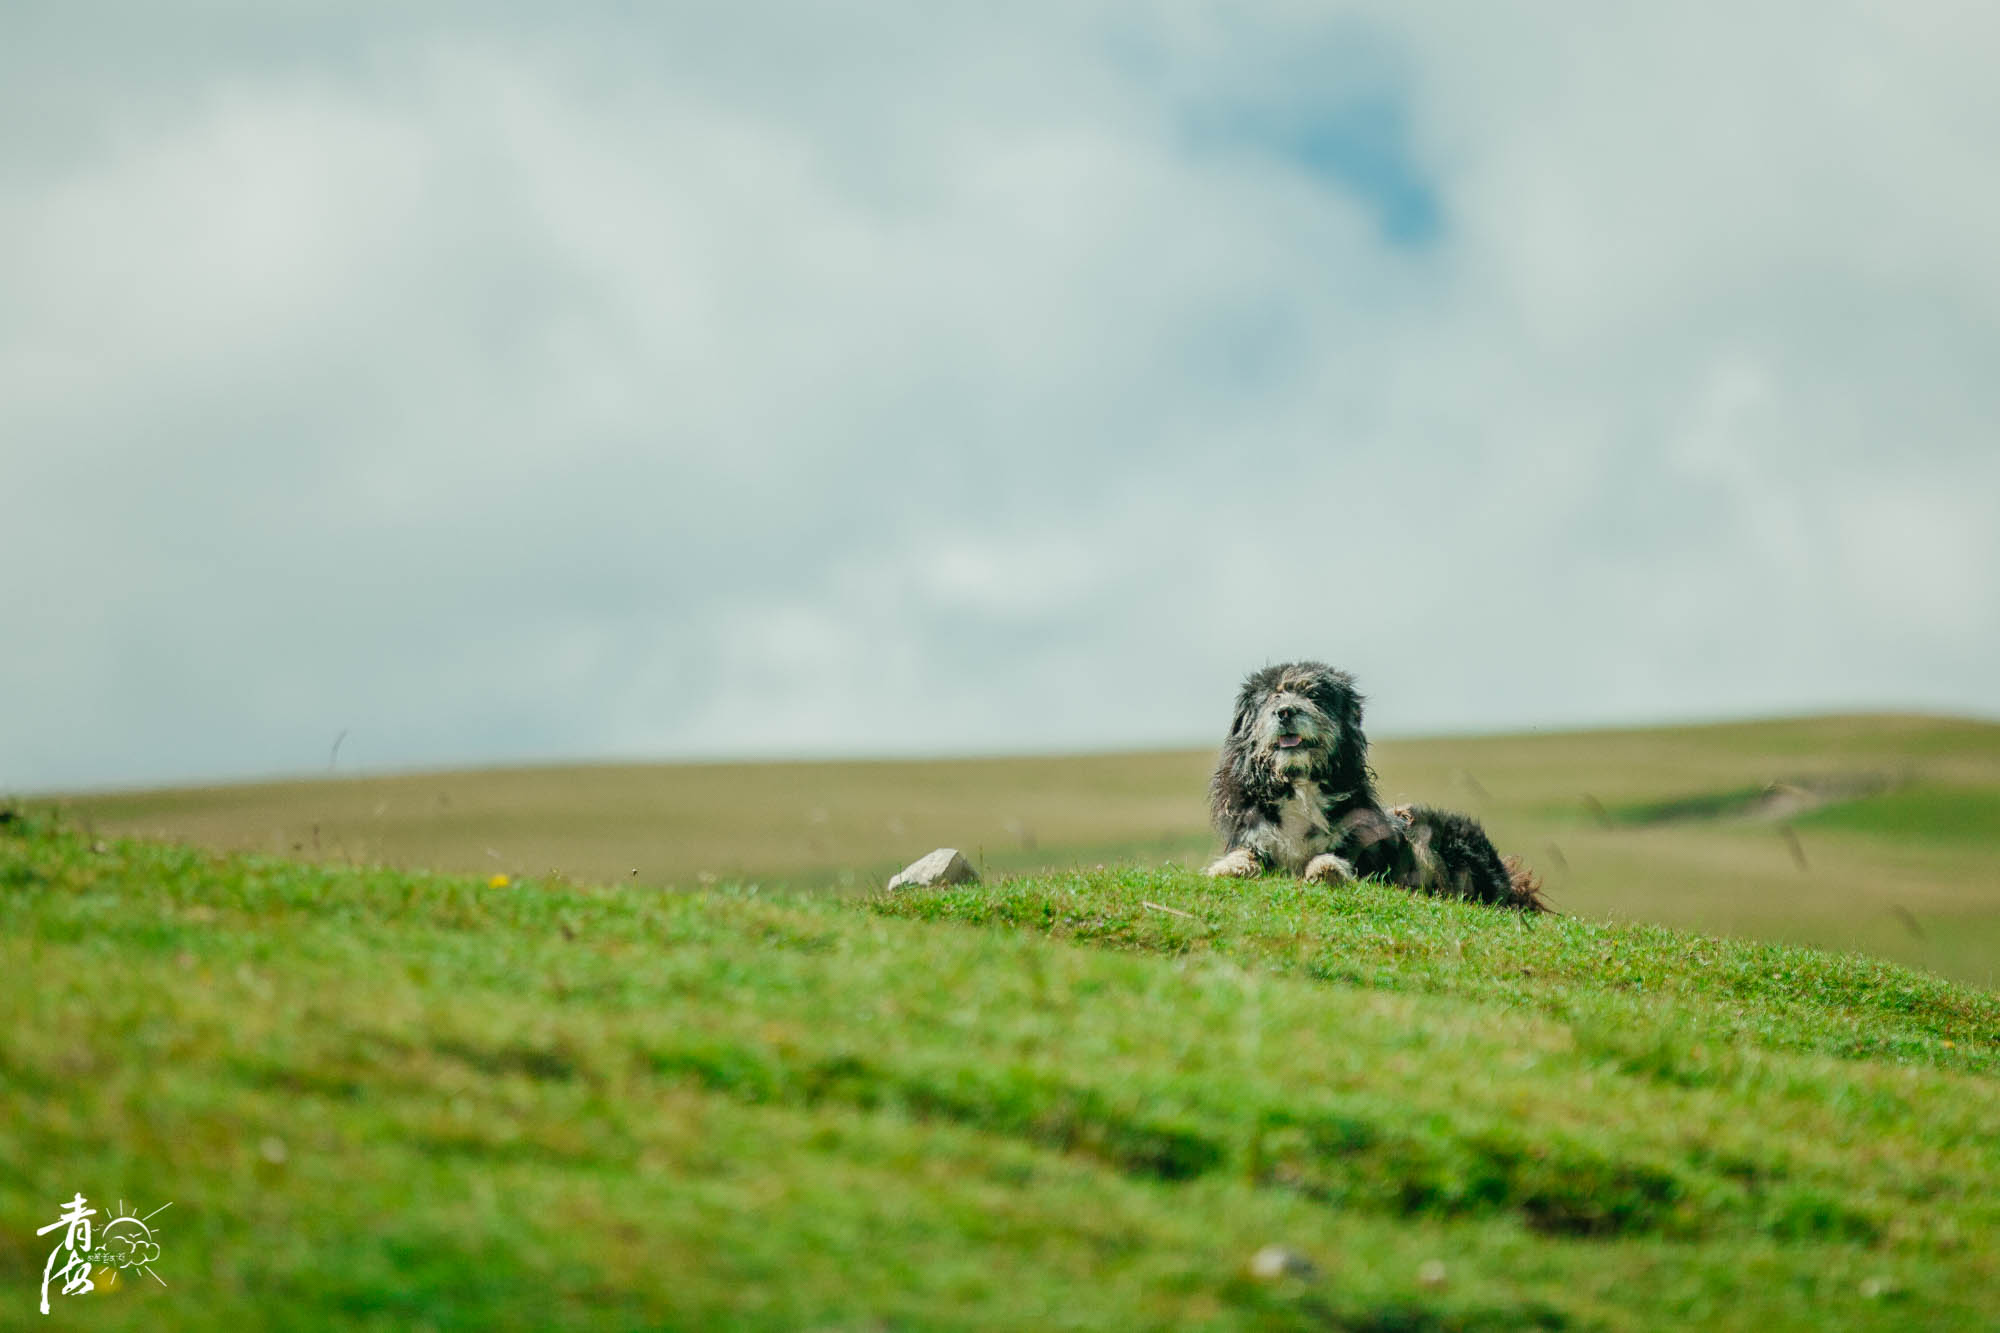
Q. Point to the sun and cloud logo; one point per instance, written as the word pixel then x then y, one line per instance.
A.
pixel 126 1242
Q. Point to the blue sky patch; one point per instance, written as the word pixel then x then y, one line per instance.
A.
pixel 1359 145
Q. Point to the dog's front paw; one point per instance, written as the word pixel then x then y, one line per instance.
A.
pixel 1241 863
pixel 1327 868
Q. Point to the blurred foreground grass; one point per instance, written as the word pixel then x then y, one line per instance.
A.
pixel 1900 854
pixel 382 1099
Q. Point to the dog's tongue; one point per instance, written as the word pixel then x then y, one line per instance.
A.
pixel 1286 742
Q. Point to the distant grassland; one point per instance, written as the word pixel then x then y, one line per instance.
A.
pixel 1882 834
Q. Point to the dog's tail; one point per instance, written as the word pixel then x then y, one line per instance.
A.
pixel 1525 885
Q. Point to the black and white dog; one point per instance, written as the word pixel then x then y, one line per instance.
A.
pixel 1293 791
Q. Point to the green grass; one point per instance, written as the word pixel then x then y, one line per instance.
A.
pixel 1911 874
pixel 1698 805
pixel 391 1099
pixel 1948 815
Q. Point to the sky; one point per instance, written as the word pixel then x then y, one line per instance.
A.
pixel 501 383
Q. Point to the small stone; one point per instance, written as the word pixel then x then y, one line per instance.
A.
pixel 943 866
pixel 1430 1274
pixel 272 1149
pixel 1276 1261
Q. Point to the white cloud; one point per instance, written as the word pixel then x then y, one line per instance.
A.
pixel 494 390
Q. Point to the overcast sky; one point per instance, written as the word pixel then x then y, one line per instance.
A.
pixel 503 382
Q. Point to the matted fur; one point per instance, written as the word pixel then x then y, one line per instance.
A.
pixel 1293 791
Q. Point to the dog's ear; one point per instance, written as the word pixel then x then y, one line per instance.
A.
pixel 1248 700
pixel 1334 692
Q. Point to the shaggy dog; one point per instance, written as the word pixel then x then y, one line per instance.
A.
pixel 1293 791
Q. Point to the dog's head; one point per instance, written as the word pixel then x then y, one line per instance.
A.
pixel 1301 720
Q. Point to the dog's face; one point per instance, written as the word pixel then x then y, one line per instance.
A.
pixel 1301 719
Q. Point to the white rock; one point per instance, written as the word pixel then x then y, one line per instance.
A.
pixel 943 866
pixel 1276 1261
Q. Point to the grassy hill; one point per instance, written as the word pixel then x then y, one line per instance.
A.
pixel 388 1099
pixel 1883 833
